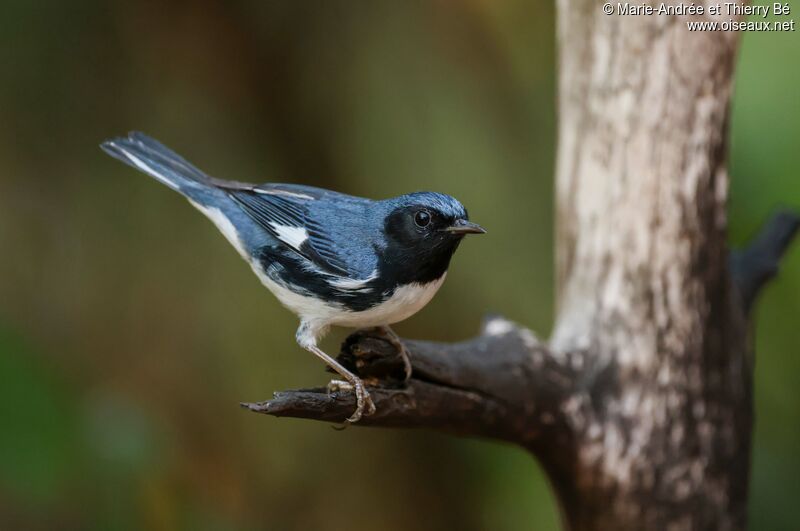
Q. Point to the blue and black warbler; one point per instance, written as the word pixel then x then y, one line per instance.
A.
pixel 331 258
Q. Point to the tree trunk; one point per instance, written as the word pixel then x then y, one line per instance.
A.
pixel 640 407
pixel 662 424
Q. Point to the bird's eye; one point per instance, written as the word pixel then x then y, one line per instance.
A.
pixel 422 218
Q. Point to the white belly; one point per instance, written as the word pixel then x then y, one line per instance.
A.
pixel 404 302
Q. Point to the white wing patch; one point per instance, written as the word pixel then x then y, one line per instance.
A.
pixel 291 236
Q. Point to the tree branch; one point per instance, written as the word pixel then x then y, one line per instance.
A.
pixel 756 264
pixel 503 384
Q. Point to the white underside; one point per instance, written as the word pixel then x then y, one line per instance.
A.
pixel 224 225
pixel 402 304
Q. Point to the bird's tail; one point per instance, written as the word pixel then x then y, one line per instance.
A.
pixel 155 159
pixel 210 196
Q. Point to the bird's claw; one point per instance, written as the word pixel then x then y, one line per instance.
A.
pixel 406 362
pixel 363 400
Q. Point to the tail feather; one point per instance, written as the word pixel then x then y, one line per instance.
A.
pixel 155 159
pixel 210 196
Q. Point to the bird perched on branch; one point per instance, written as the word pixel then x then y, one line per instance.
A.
pixel 331 258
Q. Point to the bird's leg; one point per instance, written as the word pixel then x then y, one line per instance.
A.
pixel 388 334
pixel 364 404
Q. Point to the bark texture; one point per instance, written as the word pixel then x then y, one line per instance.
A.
pixel 643 284
pixel 640 405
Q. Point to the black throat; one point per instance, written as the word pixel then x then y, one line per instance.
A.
pixel 401 265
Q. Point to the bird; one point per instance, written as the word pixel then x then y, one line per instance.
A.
pixel 331 258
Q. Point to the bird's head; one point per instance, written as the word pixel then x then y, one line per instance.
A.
pixel 422 232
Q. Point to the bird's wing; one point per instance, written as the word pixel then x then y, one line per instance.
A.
pixel 317 224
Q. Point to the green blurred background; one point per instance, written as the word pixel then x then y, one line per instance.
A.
pixel 130 330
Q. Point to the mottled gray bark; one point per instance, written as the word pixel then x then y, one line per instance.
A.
pixel 640 406
pixel 643 286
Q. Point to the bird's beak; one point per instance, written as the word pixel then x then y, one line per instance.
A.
pixel 462 226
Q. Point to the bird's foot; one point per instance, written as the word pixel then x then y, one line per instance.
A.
pixel 364 403
pixel 388 334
